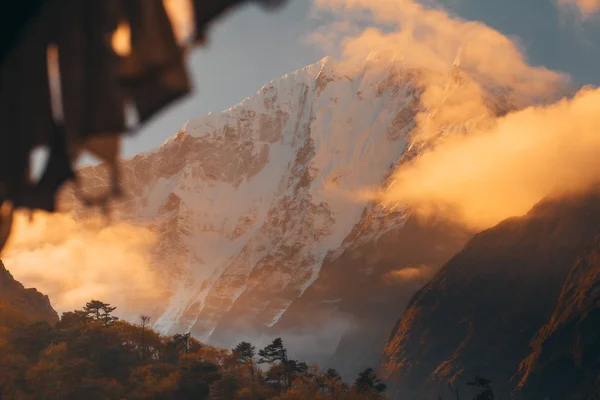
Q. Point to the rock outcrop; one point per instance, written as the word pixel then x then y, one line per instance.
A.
pixel 29 302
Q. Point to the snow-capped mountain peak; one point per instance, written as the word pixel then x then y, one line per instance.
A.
pixel 249 202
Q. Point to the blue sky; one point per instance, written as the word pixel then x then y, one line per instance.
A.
pixel 250 47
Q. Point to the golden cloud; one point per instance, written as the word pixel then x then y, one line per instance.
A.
pixel 420 273
pixel 409 35
pixel 487 176
pixel 76 261
pixel 586 7
pixel 504 165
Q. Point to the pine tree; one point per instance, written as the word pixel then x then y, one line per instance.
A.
pixel 100 311
pixel 182 341
pixel 367 382
pixel 332 380
pixel 332 374
pixel 283 370
pixel 275 352
pixel 243 352
pixel 276 356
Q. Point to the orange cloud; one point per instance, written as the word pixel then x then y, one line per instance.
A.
pixel 586 7
pixel 403 275
pixel 76 261
pixel 489 175
pixel 502 166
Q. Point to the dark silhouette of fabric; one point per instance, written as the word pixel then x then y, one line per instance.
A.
pixel 95 86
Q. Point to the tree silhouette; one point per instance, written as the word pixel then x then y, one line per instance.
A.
pixel 89 354
pixel 332 380
pixel 332 374
pixel 144 321
pixel 367 382
pixel 182 341
pixel 275 352
pixel 283 370
pixel 100 311
pixel 243 352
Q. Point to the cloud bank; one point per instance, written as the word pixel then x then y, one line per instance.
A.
pixel 76 261
pixel 508 161
pixel 487 176
pixel 429 40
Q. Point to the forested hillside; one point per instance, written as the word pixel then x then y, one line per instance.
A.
pixel 90 354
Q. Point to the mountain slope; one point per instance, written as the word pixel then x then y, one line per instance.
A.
pixel 478 315
pixel 250 201
pixel 29 302
pixel 564 362
pixel 353 304
pixel 260 205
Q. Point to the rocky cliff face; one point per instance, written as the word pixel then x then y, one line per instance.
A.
pixel 564 362
pixel 518 305
pixel 30 302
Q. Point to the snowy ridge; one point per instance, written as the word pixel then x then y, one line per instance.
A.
pixel 250 201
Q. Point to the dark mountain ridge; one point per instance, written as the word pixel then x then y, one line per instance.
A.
pixel 29 302
pixel 515 297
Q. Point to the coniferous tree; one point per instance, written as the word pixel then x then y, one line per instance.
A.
pixel 368 382
pixel 332 380
pixel 275 352
pixel 182 342
pixel 283 370
pixel 90 355
pixel 244 352
pixel 100 311
pixel 332 374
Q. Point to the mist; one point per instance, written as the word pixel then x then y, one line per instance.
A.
pixel 420 274
pixel 74 261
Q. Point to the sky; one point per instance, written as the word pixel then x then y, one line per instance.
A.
pixel 250 47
